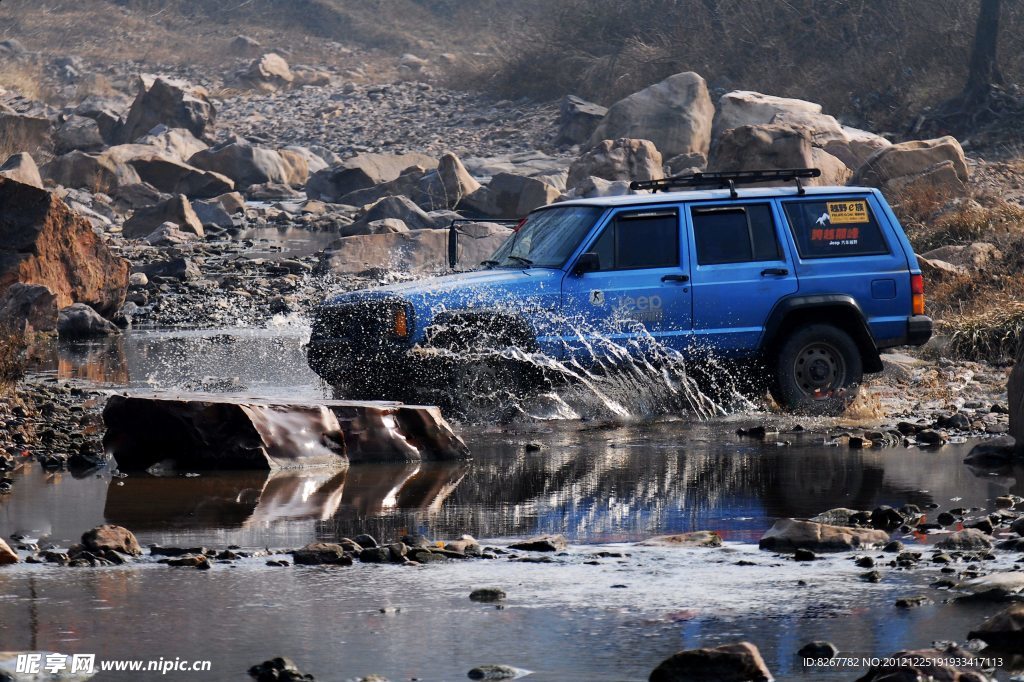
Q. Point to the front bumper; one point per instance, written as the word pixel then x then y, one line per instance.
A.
pixel 357 338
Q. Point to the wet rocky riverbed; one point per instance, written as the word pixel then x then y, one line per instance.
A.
pixel 604 608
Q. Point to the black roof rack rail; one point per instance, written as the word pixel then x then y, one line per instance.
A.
pixel 728 179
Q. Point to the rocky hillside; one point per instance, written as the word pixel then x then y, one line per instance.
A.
pixel 169 159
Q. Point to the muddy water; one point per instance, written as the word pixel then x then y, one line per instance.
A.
pixel 604 486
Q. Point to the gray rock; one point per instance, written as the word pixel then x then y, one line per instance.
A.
pixel 739 662
pixel 173 103
pixel 544 543
pixel 577 120
pixel 621 159
pixel 27 308
pixel 361 172
pixel 176 210
pixel 675 114
pixel 21 168
pixel 496 671
pixel 78 132
pixel 80 321
pixel 969 539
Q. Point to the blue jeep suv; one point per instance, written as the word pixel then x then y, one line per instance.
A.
pixel 808 283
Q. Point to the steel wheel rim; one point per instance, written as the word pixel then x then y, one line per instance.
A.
pixel 819 370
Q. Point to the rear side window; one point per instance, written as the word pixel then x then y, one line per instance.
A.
pixel 834 229
pixel 639 240
pixel 735 234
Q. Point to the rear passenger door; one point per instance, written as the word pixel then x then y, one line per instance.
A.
pixel 741 268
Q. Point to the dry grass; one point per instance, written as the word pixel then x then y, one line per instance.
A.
pixel 12 360
pixel 981 311
pixel 23 78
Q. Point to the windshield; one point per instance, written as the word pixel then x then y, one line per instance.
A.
pixel 547 238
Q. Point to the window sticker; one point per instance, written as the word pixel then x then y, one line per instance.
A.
pixel 846 212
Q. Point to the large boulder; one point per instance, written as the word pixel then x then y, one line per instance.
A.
pixel 269 72
pixel 577 120
pixel 42 241
pixel 79 321
pixel 747 108
pixel 972 256
pixel 418 251
pixel 361 172
pixel 937 165
pixel 788 535
pixel 175 177
pixel 949 664
pixel 103 172
pixel 22 168
pixel 510 196
pixel 244 163
pixel 23 133
pixel 175 143
pixel 78 132
pixel 740 662
pixel 1001 586
pixel 396 207
pixel 27 308
pixel 7 555
pixel 111 538
pixel 173 103
pixel 675 115
pixel 447 186
pixel 855 147
pixel 106 111
pixel 1005 630
pixel 621 159
pixel 775 147
pixel 176 210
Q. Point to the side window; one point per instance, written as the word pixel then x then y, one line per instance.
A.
pixel 639 240
pixel 735 234
pixel 833 229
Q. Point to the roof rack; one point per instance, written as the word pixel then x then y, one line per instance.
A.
pixel 728 179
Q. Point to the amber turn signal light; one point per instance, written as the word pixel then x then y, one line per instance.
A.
pixel 401 323
pixel 917 294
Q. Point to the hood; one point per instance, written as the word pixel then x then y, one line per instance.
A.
pixel 506 288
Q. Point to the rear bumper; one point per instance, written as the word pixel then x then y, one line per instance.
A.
pixel 919 330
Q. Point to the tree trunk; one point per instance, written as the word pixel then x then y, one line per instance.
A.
pixel 984 67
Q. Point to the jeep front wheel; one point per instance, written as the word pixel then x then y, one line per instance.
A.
pixel 817 371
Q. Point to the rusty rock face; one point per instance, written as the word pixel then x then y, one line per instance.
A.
pixel 44 242
pixel 215 432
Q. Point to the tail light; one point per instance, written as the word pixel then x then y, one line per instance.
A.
pixel 400 322
pixel 917 294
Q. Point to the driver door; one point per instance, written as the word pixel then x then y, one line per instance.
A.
pixel 638 288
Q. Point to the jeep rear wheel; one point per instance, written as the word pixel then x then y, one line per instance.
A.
pixel 818 370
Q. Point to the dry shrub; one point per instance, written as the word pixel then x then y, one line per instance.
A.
pixel 12 359
pixel 991 331
pixel 23 78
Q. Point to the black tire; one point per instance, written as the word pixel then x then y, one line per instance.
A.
pixel 818 370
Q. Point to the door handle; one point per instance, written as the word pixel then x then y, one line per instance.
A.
pixel 675 278
pixel 782 272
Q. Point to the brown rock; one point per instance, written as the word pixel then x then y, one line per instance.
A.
pixel 103 172
pixel 1005 630
pixel 21 168
pixel 177 210
pixel 362 171
pixel 7 555
pixel 544 543
pixel 700 538
pixel 925 664
pixel 44 242
pixel 772 147
pixel 968 539
pixel 169 102
pixel 110 537
pixel 937 164
pixel 30 134
pixel 675 115
pixel 790 534
pixel 270 72
pixel 740 662
pixel 621 159
pixel 28 308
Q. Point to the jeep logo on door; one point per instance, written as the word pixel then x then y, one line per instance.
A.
pixel 641 308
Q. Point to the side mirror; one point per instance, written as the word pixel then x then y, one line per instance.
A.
pixel 453 245
pixel 587 262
